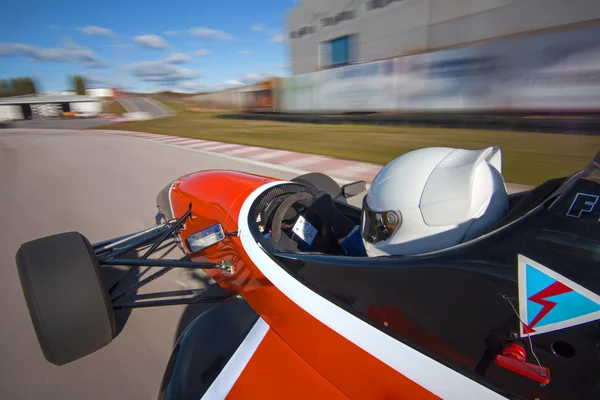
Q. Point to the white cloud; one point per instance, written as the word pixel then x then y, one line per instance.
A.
pixel 277 38
pixel 246 52
pixel 70 53
pixel 171 33
pixel 208 33
pixel 151 41
pixel 233 82
pixel 121 45
pixel 95 30
pixel 105 81
pixel 177 58
pixel 163 72
pixel 257 28
pixel 201 53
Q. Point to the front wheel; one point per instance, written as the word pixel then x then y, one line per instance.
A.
pixel 68 303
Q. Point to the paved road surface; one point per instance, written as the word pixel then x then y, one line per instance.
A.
pixel 82 123
pixel 103 186
pixel 136 104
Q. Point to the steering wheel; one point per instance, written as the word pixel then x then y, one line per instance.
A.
pixel 321 241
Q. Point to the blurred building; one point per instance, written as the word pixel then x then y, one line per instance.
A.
pixel 47 106
pixel 329 33
pixel 100 92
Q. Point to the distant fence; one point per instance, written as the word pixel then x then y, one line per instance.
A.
pixel 557 71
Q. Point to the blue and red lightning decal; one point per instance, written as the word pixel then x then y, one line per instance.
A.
pixel 548 301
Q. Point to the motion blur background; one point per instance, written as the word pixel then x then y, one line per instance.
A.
pixel 460 55
pixel 334 86
pixel 475 73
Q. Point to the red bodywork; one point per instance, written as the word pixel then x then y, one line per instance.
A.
pixel 300 356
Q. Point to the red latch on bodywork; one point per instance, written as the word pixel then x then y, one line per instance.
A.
pixel 513 359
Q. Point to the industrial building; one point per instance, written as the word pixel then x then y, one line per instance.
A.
pixel 44 106
pixel 102 92
pixel 330 33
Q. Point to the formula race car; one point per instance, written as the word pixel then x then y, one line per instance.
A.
pixel 512 313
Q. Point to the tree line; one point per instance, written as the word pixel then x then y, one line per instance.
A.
pixel 17 87
pixel 25 85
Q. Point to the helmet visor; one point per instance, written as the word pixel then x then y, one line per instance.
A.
pixel 378 226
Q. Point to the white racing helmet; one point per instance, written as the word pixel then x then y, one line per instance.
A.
pixel 433 198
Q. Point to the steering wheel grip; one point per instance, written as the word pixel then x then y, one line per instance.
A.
pixel 276 232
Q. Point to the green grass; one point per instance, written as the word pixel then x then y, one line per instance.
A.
pixel 528 158
pixel 176 106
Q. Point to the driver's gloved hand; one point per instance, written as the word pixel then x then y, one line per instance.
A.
pixel 344 230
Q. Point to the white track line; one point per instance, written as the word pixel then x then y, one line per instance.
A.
pixel 177 140
pixel 220 147
pixel 232 156
pixel 356 169
pixel 243 150
pixel 270 154
pixel 257 163
pixel 202 145
pixel 188 142
pixel 302 162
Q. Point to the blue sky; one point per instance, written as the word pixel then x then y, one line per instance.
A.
pixel 145 45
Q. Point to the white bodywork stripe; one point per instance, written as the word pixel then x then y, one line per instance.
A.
pixel 236 364
pixel 426 372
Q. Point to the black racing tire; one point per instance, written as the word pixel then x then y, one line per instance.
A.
pixel 322 182
pixel 68 302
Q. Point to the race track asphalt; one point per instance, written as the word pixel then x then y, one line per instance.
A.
pixel 103 186
pixel 83 123
pixel 136 104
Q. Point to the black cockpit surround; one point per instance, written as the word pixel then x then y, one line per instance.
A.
pixel 460 305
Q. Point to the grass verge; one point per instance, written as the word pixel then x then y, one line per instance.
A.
pixel 528 158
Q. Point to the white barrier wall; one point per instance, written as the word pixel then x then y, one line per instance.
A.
pixel 93 107
pixel 10 112
pixel 300 93
pixel 361 87
pixel 555 71
pixel 100 92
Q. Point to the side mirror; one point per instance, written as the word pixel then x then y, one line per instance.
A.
pixel 205 238
pixel 353 189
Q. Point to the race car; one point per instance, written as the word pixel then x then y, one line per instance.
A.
pixel 512 313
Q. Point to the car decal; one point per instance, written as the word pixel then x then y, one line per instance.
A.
pixel 549 302
pixel 582 203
